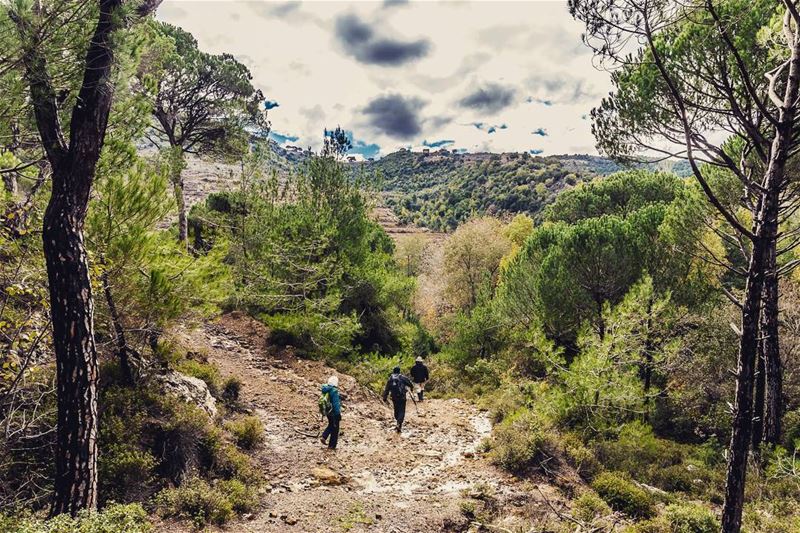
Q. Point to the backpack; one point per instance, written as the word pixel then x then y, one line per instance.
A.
pixel 324 404
pixel 396 387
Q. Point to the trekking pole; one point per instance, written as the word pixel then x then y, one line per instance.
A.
pixel 413 400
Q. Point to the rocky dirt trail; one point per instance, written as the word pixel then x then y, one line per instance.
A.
pixel 376 480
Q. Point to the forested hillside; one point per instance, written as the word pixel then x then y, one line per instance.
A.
pixel 443 189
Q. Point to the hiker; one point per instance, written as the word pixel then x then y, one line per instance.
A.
pixel 397 385
pixel 419 374
pixel 331 407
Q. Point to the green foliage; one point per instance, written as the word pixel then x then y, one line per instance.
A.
pixel 131 518
pixel 126 472
pixel 665 464
pixel 623 495
pixel 316 268
pixel 231 389
pixel 248 432
pixel 205 504
pixel 600 240
pixel 201 102
pixel 441 191
pixel 519 442
pixel 472 257
pixel 203 371
pixel 589 507
pixel 691 518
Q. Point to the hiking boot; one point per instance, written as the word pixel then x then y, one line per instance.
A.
pixel 323 441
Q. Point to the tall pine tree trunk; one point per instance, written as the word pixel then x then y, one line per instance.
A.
pixel 178 164
pixel 71 307
pixel 773 372
pixel 763 246
pixel 73 163
pixel 743 408
pixel 758 398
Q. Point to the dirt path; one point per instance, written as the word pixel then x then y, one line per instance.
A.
pixel 376 480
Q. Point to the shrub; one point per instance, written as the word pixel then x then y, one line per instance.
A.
pixel 675 478
pixel 518 442
pixel 772 516
pixel 197 501
pixel 248 432
pixel 204 371
pixel 230 463
pixel 623 495
pixel 580 457
pixel 589 507
pixel 186 440
pixel 231 389
pixel 791 429
pixel 129 518
pixel 125 472
pixel 243 498
pixel 690 518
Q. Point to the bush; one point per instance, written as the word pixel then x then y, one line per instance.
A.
pixel 204 371
pixel 580 457
pixel 690 518
pixel 623 495
pixel 129 518
pixel 248 432
pixel 519 442
pixel 186 440
pixel 125 472
pixel 589 507
pixel 231 389
pixel 230 463
pixel 242 497
pixel 675 478
pixel 197 501
pixel 791 429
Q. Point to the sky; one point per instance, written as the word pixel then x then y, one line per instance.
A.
pixel 473 76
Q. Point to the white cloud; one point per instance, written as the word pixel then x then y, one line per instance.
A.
pixel 532 48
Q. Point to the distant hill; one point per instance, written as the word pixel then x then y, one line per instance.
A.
pixel 439 190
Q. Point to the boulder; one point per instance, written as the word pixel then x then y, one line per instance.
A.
pixel 190 389
pixel 326 476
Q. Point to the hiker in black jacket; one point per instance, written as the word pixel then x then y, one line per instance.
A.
pixel 397 385
pixel 419 374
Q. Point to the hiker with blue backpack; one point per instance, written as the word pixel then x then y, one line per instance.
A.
pixel 330 406
pixel 397 386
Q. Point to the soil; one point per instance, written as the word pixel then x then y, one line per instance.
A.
pixel 376 480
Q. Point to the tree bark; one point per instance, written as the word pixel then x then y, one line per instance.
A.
pixel 71 305
pixel 121 344
pixel 766 233
pixel 10 183
pixel 72 309
pixel 758 399
pixel 178 163
pixel 743 408
pixel 773 371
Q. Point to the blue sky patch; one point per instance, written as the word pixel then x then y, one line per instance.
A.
pixel 280 138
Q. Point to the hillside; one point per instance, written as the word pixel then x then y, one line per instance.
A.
pixel 439 190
